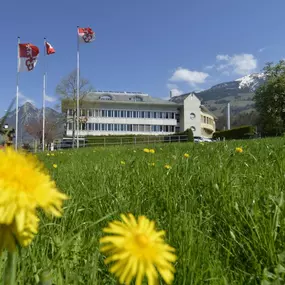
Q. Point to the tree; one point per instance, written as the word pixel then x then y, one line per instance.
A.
pixel 270 100
pixel 67 90
pixel 35 129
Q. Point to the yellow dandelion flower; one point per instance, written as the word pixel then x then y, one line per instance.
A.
pixel 24 187
pixel 152 164
pixel 48 154
pixel 239 150
pixel 52 154
pixel 54 165
pixel 123 162
pixel 136 250
pixel 146 150
pixel 152 150
pixel 167 166
pixel 186 155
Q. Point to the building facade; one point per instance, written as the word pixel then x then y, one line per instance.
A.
pixel 122 113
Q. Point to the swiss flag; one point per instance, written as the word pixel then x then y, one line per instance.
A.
pixel 49 49
pixel 86 35
pixel 28 55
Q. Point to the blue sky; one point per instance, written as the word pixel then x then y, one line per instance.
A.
pixel 149 46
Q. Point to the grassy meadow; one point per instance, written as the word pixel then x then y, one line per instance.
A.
pixel 223 211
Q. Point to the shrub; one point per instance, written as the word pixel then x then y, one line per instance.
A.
pixel 243 132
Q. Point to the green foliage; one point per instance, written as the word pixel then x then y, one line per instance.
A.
pixel 270 100
pixel 188 135
pixel 223 211
pixel 236 133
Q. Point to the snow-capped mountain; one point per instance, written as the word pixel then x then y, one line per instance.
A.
pixel 251 81
pixel 239 93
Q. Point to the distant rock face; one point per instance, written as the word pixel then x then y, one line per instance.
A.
pixel 29 114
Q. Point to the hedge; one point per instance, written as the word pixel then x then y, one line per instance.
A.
pixel 243 132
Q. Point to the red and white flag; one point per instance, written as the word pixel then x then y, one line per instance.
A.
pixel 28 55
pixel 86 35
pixel 49 49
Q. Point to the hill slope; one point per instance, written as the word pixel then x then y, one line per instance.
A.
pixel 238 93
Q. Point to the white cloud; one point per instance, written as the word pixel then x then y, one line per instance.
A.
pixel 209 67
pixel 171 86
pixel 222 57
pixel 241 64
pixel 189 76
pixel 24 99
pixel 50 99
pixel 176 92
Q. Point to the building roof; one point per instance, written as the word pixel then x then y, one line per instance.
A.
pixel 125 97
pixel 206 110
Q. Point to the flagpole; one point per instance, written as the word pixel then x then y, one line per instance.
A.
pixel 44 97
pixel 77 89
pixel 17 97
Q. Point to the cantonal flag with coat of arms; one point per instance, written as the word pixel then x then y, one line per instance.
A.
pixel 28 55
pixel 86 35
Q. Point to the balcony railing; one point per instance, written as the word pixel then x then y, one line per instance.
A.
pixel 208 127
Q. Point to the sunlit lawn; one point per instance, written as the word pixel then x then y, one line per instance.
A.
pixel 223 211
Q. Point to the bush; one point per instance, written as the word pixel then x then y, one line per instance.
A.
pixel 243 132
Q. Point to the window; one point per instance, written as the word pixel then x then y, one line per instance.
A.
pixel 166 115
pixel 154 114
pixel 83 127
pixel 147 128
pixel 110 127
pixel 123 114
pixel 96 127
pixel 135 114
pixel 148 114
pixel 136 99
pixel 82 112
pixel 116 114
pixel 70 112
pixel 104 113
pixel 167 129
pixel 129 128
pixel 110 113
pixel 160 115
pixel 106 97
pixel 96 113
pixel 115 127
pixel 69 126
pixel 192 116
pixel 103 127
pixel 172 129
pixel 172 115
pixel 135 128
pixel 90 113
pixel 129 114
pixel 142 114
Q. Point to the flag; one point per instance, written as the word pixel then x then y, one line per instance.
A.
pixel 86 35
pixel 28 55
pixel 49 49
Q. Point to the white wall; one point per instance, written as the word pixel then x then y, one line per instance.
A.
pixel 192 105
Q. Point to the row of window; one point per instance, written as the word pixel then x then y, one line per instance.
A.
pixel 123 114
pixel 124 127
pixel 207 120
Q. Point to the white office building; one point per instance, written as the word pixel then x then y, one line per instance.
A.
pixel 123 113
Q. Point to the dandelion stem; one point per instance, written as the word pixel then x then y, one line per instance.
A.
pixel 10 270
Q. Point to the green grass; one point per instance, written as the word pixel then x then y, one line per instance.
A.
pixel 223 211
